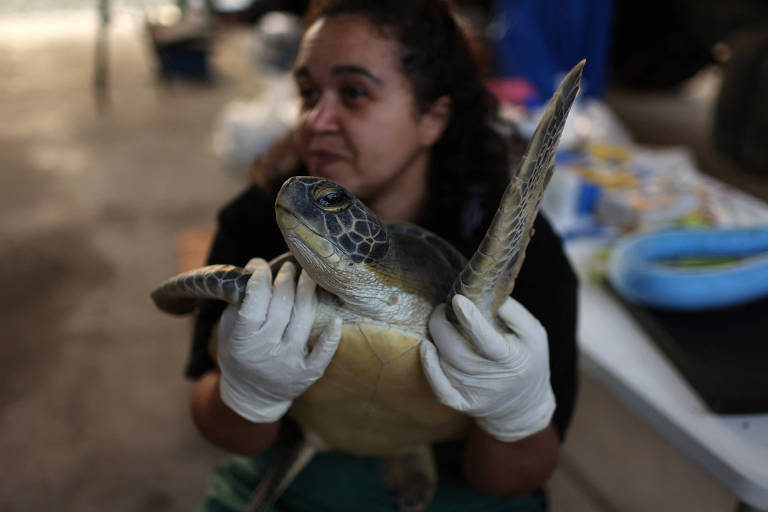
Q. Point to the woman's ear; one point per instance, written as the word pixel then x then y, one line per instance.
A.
pixel 435 119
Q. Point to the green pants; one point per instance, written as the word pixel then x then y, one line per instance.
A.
pixel 339 482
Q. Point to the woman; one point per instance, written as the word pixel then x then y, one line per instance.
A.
pixel 393 109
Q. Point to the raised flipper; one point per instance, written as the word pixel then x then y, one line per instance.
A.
pixel 489 276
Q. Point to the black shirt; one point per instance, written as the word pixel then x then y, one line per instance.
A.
pixel 546 285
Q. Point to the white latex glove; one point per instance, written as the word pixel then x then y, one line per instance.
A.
pixel 263 355
pixel 501 379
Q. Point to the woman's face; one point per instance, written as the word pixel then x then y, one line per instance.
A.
pixel 358 124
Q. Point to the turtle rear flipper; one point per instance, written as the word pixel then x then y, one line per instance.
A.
pixel 412 479
pixel 293 457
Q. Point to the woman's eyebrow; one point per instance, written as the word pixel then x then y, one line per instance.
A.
pixel 344 69
pixel 355 70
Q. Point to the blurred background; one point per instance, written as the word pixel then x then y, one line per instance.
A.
pixel 127 124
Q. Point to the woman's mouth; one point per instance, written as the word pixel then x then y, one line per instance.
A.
pixel 321 159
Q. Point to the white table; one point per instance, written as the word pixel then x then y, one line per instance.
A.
pixel 620 354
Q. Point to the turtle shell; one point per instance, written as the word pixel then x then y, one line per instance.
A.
pixel 374 398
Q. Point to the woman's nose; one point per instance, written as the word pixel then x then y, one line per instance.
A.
pixel 322 117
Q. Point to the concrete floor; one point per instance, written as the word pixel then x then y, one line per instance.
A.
pixel 93 412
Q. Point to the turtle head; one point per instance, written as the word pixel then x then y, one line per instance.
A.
pixel 332 234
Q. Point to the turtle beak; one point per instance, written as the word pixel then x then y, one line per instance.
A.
pixel 288 194
pixel 296 194
pixel 286 220
pixel 294 204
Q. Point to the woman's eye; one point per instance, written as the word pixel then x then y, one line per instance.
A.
pixel 352 93
pixel 308 95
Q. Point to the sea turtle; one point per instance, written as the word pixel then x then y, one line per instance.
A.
pixel 384 280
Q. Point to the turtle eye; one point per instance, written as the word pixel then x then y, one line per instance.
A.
pixel 331 198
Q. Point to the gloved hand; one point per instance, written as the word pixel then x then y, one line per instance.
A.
pixel 501 379
pixel 263 355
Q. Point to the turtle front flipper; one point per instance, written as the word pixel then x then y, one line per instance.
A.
pixel 489 276
pixel 412 479
pixel 181 294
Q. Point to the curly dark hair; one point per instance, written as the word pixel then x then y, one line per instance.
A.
pixel 469 164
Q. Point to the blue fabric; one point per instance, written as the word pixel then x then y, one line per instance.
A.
pixel 541 40
pixel 338 482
